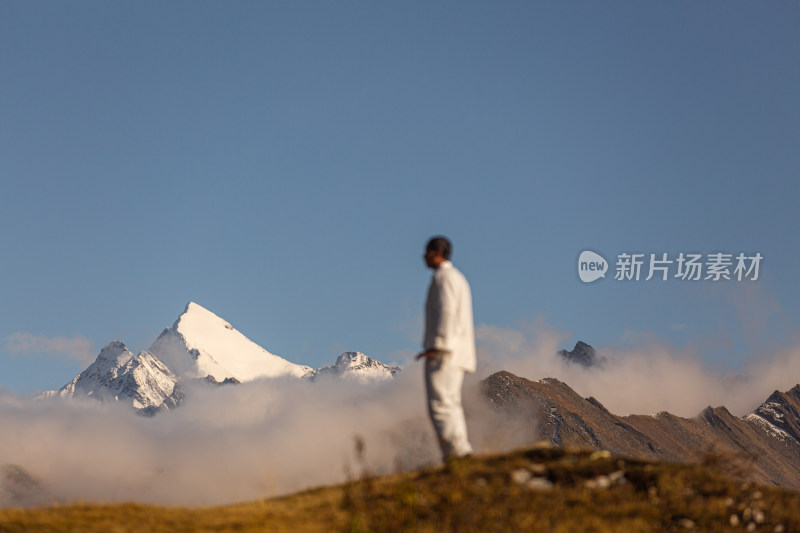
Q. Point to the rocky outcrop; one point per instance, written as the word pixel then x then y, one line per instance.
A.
pixel 582 354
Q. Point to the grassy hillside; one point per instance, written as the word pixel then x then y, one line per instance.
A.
pixel 539 489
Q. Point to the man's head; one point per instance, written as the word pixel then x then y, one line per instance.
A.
pixel 437 251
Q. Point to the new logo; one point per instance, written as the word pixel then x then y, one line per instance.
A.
pixel 591 266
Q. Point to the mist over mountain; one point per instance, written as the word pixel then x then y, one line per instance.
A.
pixel 233 428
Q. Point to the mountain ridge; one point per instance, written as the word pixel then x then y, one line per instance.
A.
pixel 562 417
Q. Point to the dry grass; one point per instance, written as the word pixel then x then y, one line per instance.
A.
pixel 477 494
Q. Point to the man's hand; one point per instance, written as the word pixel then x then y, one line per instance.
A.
pixel 429 353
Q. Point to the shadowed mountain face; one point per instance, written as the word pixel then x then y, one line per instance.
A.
pixel 766 440
pixel 583 354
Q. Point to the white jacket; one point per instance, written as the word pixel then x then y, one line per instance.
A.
pixel 448 317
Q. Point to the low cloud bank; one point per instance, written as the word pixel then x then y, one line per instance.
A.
pixel 225 444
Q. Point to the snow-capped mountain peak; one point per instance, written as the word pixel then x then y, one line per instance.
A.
pixel 201 344
pixel 355 361
pixel 360 366
pixel 113 357
pixel 106 368
pixel 119 375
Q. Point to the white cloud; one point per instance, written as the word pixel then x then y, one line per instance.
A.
pixel 78 348
pixel 235 442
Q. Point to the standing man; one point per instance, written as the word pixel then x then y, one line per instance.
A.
pixel 448 348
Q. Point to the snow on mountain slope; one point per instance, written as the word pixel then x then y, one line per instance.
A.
pixel 359 366
pixel 779 414
pixel 105 369
pixel 117 374
pixel 202 344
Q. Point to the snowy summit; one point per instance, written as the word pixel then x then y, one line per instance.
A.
pixel 201 344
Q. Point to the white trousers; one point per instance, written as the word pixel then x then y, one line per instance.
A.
pixel 443 385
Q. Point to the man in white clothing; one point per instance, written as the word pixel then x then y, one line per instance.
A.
pixel 448 348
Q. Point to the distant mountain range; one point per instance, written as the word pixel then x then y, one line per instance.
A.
pixel 199 346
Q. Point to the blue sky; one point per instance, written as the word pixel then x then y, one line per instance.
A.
pixel 283 164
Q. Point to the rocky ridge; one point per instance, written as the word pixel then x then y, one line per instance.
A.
pixel 582 354
pixel 764 443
